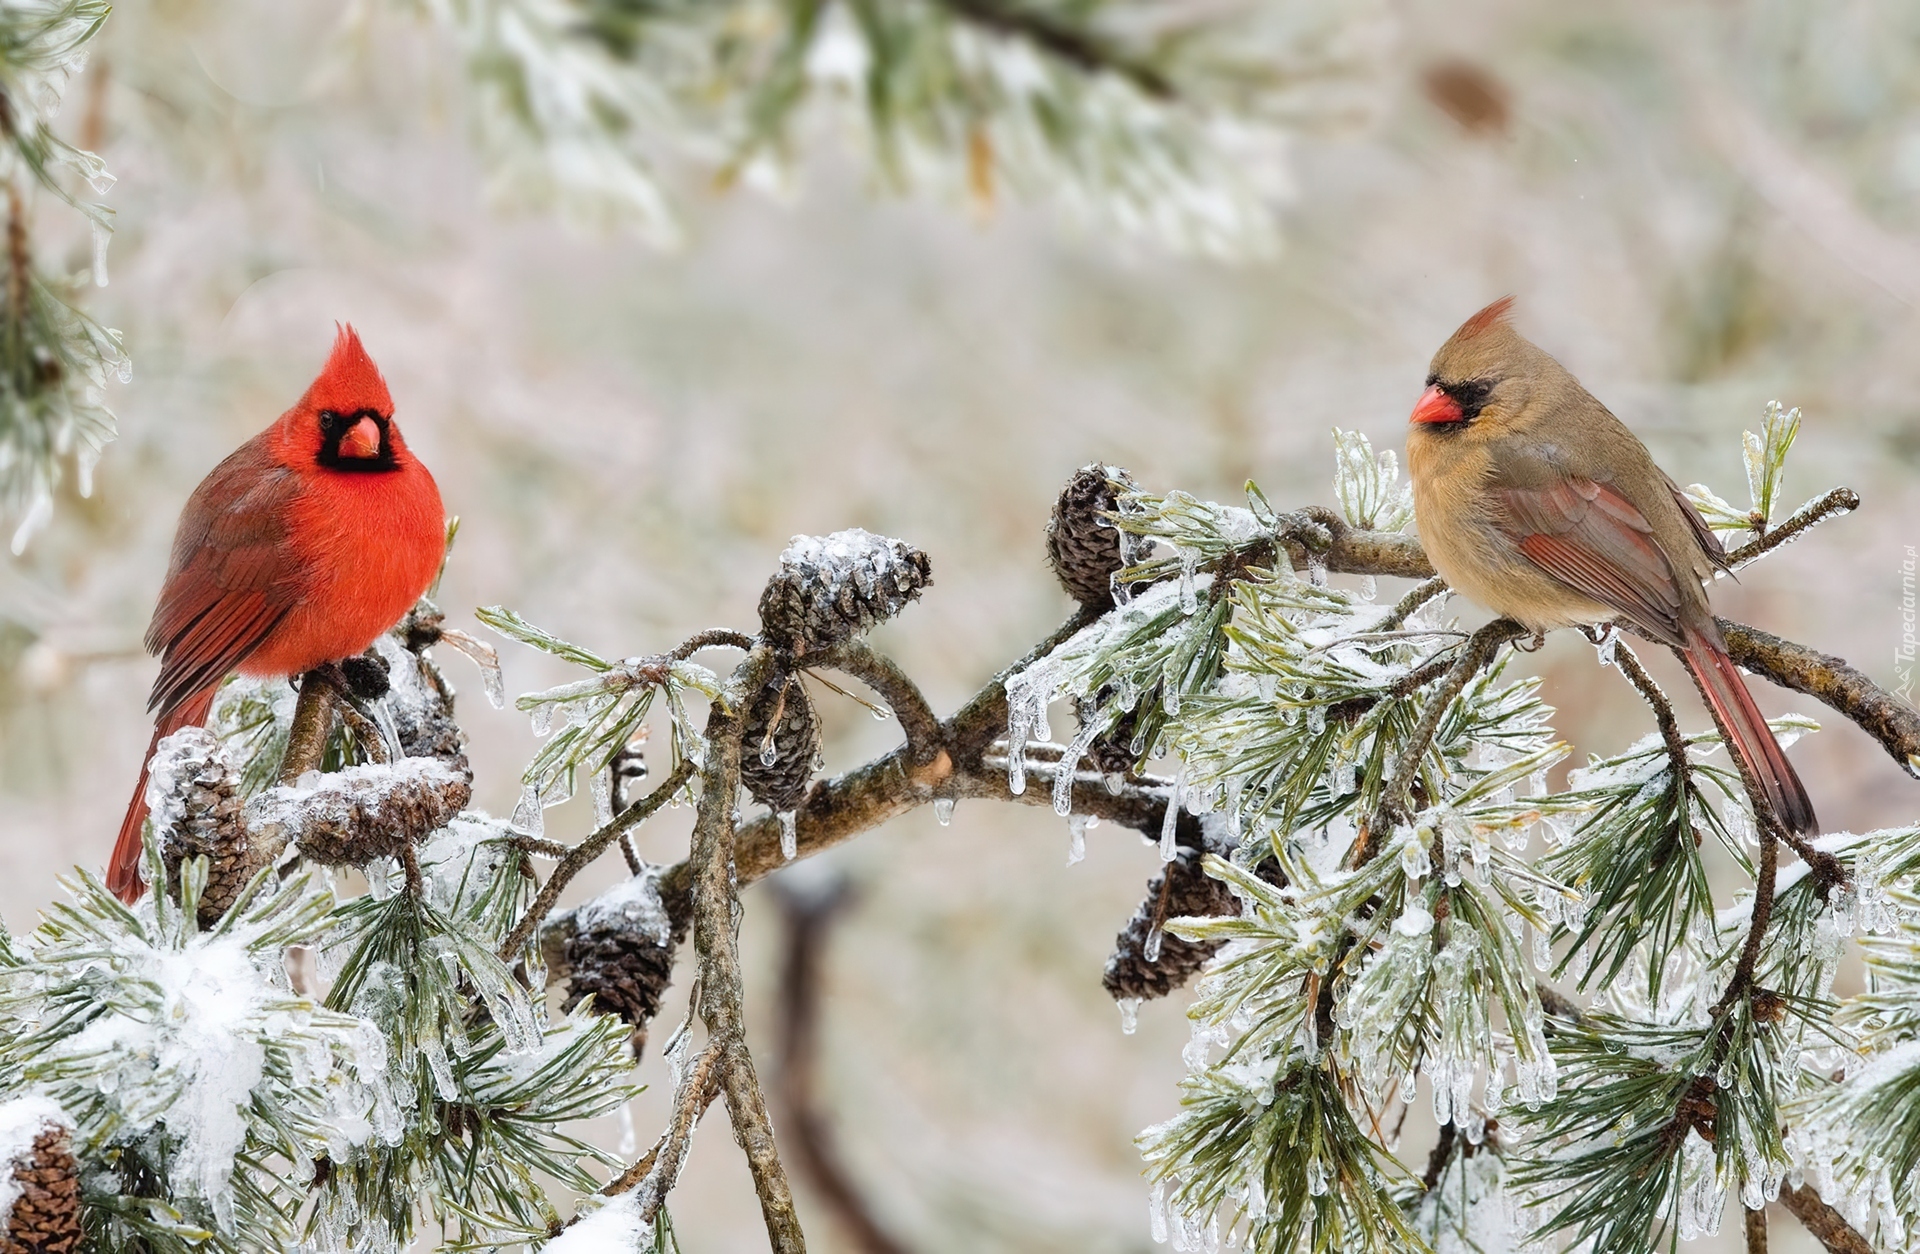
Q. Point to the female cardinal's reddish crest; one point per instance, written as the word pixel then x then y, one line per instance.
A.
pixel 301 548
pixel 1536 502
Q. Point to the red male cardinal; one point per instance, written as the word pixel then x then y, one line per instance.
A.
pixel 301 548
pixel 1540 505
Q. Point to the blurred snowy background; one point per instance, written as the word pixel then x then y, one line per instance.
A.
pixel 1701 207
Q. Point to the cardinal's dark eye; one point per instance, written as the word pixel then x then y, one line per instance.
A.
pixel 332 423
pixel 1471 396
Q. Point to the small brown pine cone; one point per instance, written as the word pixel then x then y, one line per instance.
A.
pixel 617 949
pixel 776 769
pixel 1181 890
pixel 1111 753
pixel 351 817
pixel 200 816
pixel 45 1218
pixel 1083 547
pixel 833 588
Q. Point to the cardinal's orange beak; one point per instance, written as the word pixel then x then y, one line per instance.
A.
pixel 361 440
pixel 1436 406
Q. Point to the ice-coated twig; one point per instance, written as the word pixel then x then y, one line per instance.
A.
pixel 1395 802
pixel 583 854
pixel 1403 608
pixel 1812 514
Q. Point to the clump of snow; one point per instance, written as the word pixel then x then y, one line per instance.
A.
pixel 21 1121
pixel 615 1228
pixel 461 859
pixel 333 796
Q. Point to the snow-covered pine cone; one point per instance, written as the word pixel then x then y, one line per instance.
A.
pixel 194 797
pixel 45 1218
pixel 833 588
pixel 351 817
pixel 1083 547
pixel 1190 892
pixel 781 782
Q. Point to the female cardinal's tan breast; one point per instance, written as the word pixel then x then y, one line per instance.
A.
pixel 1453 472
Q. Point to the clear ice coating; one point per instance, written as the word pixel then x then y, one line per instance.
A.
pixel 602 789
pixel 1151 950
pixel 1169 825
pixel 789 835
pixel 528 814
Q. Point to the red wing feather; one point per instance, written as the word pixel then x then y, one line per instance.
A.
pixel 230 584
pixel 1593 540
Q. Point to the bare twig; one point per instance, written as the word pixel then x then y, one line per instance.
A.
pixel 1756 1226
pixel 1822 1221
pixel 721 987
pixel 711 638
pixel 1831 680
pixel 312 721
pixel 583 854
pixel 1676 743
pixel 925 734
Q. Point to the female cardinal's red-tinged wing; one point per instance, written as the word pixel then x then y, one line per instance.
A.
pixel 1592 539
pixel 229 584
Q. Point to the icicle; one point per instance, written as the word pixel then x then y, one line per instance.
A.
pixel 1076 838
pixel 1129 1014
pixel 1151 950
pixel 629 1135
pixel 1068 768
pixel 769 751
pixel 541 716
pixel 1116 783
pixel 528 815
pixel 1157 1214
pixel 789 835
pixel 1368 588
pixel 1542 949
pixel 602 790
pixel 943 810
pixel 1189 597
pixel 1316 1178
pixel 1168 825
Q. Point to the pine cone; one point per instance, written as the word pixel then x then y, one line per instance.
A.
pixel 1112 752
pixel 836 587
pixel 1189 892
pixel 617 949
pixel 199 814
pixel 779 784
pixel 351 817
pixel 1083 547
pixel 45 1218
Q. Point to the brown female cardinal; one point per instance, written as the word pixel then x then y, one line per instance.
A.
pixel 1537 503
pixel 301 548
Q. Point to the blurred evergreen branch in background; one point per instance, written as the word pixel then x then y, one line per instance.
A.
pixel 1164 121
pixel 54 360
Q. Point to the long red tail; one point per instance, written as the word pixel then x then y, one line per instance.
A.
pixel 1720 683
pixel 123 872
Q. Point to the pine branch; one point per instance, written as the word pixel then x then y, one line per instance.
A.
pixel 1833 682
pixel 1078 46
pixel 1813 513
